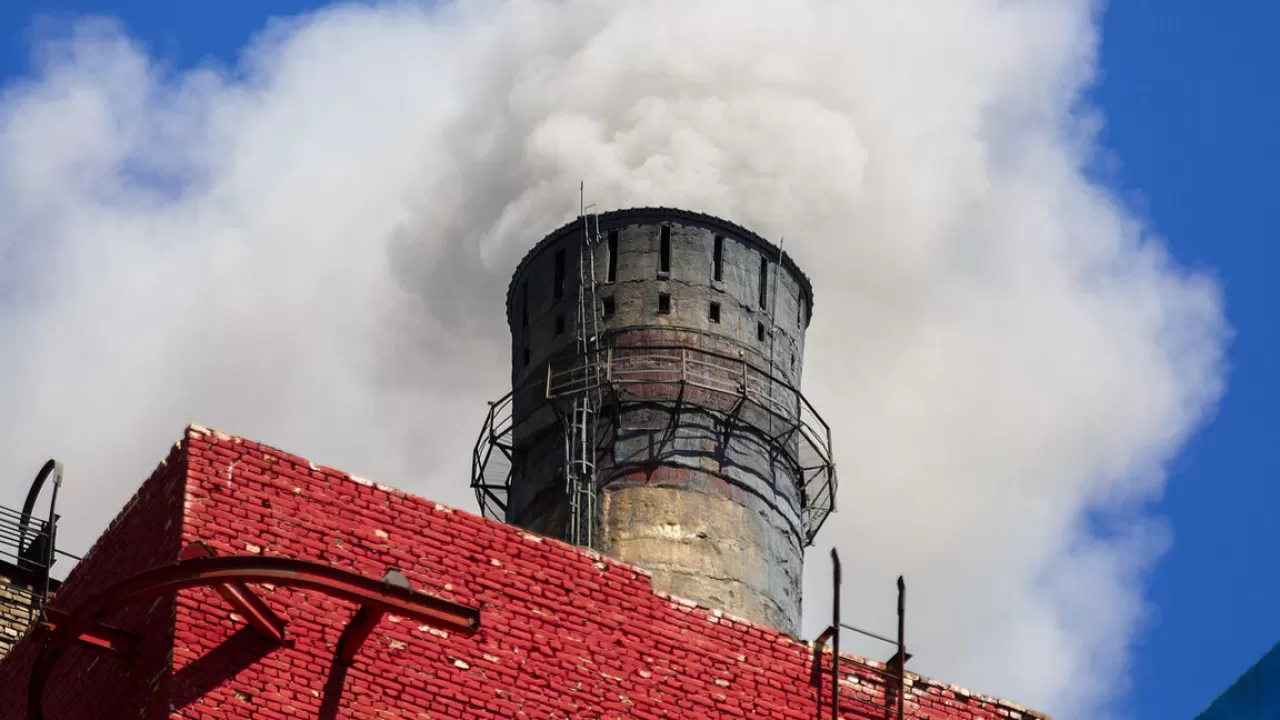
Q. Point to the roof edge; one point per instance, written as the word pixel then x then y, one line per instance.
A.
pixel 714 615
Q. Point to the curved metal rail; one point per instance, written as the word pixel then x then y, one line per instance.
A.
pixel 492 460
pixel 28 546
pixel 741 395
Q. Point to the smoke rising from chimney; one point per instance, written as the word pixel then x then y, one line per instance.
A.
pixel 312 249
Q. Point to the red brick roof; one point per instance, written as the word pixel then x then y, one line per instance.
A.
pixel 565 633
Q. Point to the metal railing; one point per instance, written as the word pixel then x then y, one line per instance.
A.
pixel 725 385
pixel 28 545
pixel 893 673
pixel 741 395
pixel 492 460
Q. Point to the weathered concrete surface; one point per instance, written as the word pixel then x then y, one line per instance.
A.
pixel 693 490
pixel 707 548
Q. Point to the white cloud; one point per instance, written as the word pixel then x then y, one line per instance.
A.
pixel 312 249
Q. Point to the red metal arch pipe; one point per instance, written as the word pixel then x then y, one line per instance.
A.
pixel 203 571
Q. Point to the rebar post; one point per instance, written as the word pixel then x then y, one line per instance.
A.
pixel 835 637
pixel 902 644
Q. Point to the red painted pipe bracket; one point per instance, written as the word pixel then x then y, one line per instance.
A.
pixel 242 599
pixel 95 635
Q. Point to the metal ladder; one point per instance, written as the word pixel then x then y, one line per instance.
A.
pixel 580 440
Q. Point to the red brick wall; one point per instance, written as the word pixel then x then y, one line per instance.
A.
pixel 565 633
pixel 87 684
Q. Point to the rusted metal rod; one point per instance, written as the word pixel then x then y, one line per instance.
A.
pixel 835 636
pixel 902 644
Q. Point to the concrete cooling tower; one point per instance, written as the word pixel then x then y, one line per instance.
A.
pixel 655 412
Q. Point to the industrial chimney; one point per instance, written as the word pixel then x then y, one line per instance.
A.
pixel 655 413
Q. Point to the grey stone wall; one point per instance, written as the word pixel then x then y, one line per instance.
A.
pixel 692 491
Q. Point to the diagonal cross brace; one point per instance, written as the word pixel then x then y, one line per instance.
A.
pixel 98 636
pixel 365 620
pixel 243 600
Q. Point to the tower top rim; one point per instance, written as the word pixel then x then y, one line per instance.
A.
pixel 652 215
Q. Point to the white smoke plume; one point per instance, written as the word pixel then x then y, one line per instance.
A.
pixel 312 248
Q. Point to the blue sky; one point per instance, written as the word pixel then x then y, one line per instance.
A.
pixel 1184 89
pixel 1188 96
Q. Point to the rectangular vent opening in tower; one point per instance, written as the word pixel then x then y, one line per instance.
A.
pixel 607 307
pixel 664 304
pixel 717 259
pixel 559 277
pixel 524 305
pixel 714 314
pixel 664 251
pixel 611 275
pixel 760 331
pixel 764 282
pixel 559 325
pixel 524 359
